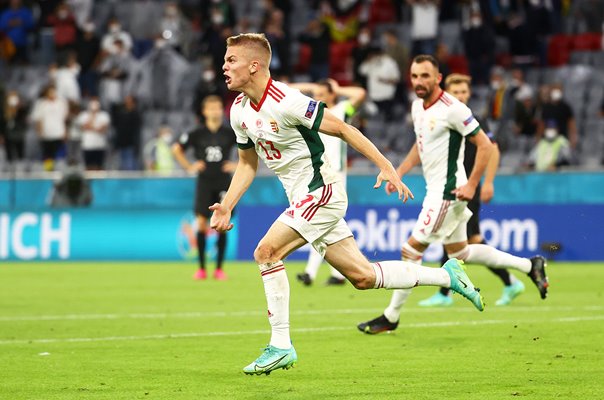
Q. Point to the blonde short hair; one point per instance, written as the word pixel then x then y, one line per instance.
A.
pixel 454 79
pixel 257 41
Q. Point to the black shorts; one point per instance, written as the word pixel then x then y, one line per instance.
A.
pixel 94 159
pixel 209 190
pixel 474 221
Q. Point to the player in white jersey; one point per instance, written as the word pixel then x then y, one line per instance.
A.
pixel 280 125
pixel 441 122
pixel 343 102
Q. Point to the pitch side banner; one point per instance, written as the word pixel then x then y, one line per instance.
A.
pixel 519 229
pixel 86 234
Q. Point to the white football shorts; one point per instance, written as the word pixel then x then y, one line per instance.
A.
pixel 442 221
pixel 319 216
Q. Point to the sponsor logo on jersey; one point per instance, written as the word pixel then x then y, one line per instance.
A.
pixel 310 109
pixel 274 126
pixel 467 121
pixel 243 126
pixel 289 213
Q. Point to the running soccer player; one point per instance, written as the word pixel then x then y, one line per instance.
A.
pixel 459 86
pixel 441 122
pixel 212 142
pixel 328 91
pixel 280 125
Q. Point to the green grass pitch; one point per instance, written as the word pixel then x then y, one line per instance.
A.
pixel 148 331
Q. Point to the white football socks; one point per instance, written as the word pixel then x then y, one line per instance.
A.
pixel 406 275
pixel 276 289
pixel 398 299
pixel 487 255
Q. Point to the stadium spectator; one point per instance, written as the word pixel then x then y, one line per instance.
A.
pixel 213 38
pixel 523 43
pixel 13 126
pixel 159 78
pixel 143 33
pixel 212 144
pixel 558 111
pixel 65 29
pixel 589 15
pixel 398 52
pixel 82 11
pixel 501 103
pixel 424 26
pixel 87 50
pixel 175 28
pixel 479 43
pixel 525 118
pixel 442 55
pixel 115 34
pixel 317 37
pixel 16 22
pixel 207 85
pixel 115 69
pixel 382 74
pixel 280 45
pixel 127 125
pixel 66 79
pixel 360 54
pixel 94 124
pixel 49 115
pixel 158 154
pixel 217 12
pixel 552 150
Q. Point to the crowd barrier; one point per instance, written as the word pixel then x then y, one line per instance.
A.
pixel 560 215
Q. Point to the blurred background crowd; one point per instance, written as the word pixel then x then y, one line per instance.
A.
pixel 110 84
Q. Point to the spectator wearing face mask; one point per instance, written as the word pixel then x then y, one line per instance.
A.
pixel 158 152
pixel 65 28
pixel 94 126
pixel 116 34
pixel 175 29
pixel 559 111
pixel 500 99
pixel 49 116
pixel 66 79
pixel 360 54
pixel 552 150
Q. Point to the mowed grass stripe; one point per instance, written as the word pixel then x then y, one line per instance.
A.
pixel 297 330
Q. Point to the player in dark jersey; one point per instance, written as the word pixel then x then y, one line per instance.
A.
pixel 459 86
pixel 212 143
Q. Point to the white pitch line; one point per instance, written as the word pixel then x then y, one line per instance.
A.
pixel 298 330
pixel 222 314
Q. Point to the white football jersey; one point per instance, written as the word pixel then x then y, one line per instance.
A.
pixel 440 130
pixel 283 128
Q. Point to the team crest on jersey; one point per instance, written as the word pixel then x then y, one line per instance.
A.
pixel 258 123
pixel 311 108
pixel 274 126
pixel 432 124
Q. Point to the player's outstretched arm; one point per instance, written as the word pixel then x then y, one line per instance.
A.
pixel 411 160
pixel 355 94
pixel 242 179
pixel 487 190
pixel 484 147
pixel 333 126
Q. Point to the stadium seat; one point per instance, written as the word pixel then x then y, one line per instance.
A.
pixel 558 50
pixel 587 41
pixel 381 12
pixel 458 64
pixel 340 67
pixel 581 57
pixel 304 54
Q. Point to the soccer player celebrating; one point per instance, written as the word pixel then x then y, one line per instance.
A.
pixel 352 97
pixel 459 86
pixel 441 122
pixel 280 125
pixel 212 143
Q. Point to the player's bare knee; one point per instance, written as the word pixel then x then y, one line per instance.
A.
pixel 264 253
